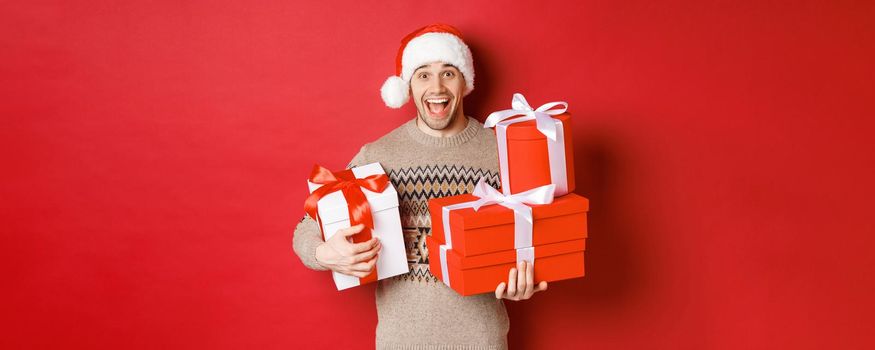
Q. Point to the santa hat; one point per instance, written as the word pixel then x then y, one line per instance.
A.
pixel 432 43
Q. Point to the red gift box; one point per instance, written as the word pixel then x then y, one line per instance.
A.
pixel 534 146
pixel 476 238
pixel 491 228
pixel 482 273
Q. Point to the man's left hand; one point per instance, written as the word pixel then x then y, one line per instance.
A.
pixel 520 283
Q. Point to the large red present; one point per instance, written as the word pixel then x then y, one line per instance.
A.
pixel 476 238
pixel 482 273
pixel 534 146
pixel 491 228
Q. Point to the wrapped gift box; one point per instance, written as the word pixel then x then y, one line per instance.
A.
pixel 484 244
pixel 491 228
pixel 469 275
pixel 535 146
pixel 333 214
pixel 528 161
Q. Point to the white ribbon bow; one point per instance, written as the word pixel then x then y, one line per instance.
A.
pixel 522 214
pixel 542 115
pixel 518 203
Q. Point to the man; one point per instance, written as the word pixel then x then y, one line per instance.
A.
pixel 439 153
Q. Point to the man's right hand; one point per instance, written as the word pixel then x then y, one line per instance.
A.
pixel 354 259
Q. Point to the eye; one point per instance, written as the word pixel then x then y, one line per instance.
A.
pixel 423 75
pixel 449 74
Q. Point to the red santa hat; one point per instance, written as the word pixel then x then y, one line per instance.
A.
pixel 432 43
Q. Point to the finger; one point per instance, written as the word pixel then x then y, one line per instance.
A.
pixel 530 279
pixel 511 283
pixel 541 287
pixel 367 255
pixel 365 246
pixel 499 291
pixel 521 279
pixel 366 266
pixel 349 231
pixel 349 272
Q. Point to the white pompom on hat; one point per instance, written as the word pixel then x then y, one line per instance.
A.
pixel 432 43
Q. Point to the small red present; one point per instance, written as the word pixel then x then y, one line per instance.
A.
pixel 534 146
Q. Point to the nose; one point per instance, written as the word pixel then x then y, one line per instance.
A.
pixel 437 85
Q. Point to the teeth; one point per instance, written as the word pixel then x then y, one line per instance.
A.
pixel 437 100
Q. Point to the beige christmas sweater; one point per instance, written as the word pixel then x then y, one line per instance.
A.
pixel 415 310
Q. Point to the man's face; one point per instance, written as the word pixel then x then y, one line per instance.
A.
pixel 437 90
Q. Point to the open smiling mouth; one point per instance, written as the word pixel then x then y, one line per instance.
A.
pixel 437 107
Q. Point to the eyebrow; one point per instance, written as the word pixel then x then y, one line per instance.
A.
pixel 426 65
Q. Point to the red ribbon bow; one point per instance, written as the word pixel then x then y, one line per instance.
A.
pixel 351 187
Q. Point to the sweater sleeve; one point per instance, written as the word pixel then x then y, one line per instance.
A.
pixel 307 234
pixel 307 238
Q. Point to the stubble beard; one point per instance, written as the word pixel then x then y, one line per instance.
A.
pixel 437 124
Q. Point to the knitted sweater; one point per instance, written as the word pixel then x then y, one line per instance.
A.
pixel 416 310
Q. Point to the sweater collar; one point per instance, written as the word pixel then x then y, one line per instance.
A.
pixel 465 135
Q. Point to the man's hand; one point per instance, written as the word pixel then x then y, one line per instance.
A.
pixel 354 259
pixel 520 283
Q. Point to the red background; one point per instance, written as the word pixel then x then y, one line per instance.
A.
pixel 154 158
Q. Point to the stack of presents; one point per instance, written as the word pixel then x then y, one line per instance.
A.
pixel 475 238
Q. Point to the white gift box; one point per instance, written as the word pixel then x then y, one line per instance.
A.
pixel 334 215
